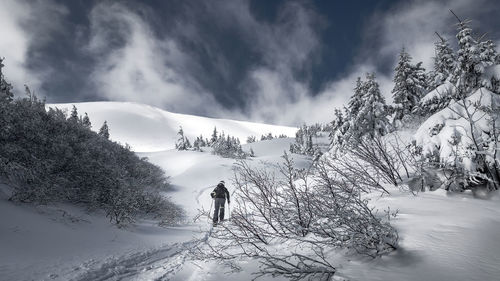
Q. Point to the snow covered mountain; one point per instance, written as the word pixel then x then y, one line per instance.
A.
pixel 147 129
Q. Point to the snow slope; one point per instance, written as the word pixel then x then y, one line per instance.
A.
pixel 59 242
pixel 146 128
pixel 442 236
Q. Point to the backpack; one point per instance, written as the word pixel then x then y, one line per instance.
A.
pixel 219 190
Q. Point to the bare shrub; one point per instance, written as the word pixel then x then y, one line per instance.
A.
pixel 290 221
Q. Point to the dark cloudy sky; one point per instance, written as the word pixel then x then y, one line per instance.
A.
pixel 283 62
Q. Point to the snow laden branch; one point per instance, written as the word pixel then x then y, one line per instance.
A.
pixel 459 144
pixel 292 220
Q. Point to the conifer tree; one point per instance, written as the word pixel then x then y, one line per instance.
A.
pixel 472 59
pixel 339 126
pixel 74 115
pixel 444 63
pixel 104 130
pixel 86 121
pixel 372 116
pixel 182 142
pixel 409 85
pixel 339 120
pixel 355 102
pixel 214 137
pixel 199 143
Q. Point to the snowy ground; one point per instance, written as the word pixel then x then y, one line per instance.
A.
pixel 442 237
pixel 149 129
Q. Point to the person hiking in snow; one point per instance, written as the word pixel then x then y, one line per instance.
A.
pixel 220 194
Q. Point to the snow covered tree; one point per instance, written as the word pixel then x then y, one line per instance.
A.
pixel 444 63
pixel 441 91
pixel 356 100
pixel 6 94
pixel 338 123
pixel 409 85
pixel 473 58
pixel 367 114
pixel 74 115
pixel 269 136
pixel 199 143
pixel 182 142
pixel 372 116
pixel 229 147
pixel 104 130
pixel 251 139
pixel 459 143
pixel 339 127
pixel 214 137
pixel 304 141
pixel 86 121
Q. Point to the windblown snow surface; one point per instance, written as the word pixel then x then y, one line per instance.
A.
pixel 146 128
pixel 442 236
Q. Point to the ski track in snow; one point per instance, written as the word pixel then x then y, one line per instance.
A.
pixel 157 264
pixel 202 191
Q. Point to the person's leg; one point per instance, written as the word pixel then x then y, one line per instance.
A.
pixel 221 212
pixel 216 210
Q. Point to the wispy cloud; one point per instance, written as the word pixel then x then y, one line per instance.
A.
pixel 412 24
pixel 135 64
pixel 139 65
pixel 24 27
pixel 190 66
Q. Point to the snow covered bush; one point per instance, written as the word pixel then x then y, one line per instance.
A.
pixel 48 158
pixel 251 139
pixel 269 136
pixel 462 140
pixel 229 147
pixel 291 221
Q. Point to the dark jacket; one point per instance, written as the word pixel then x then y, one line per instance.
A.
pixel 221 192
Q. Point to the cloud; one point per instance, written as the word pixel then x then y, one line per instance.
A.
pixel 221 59
pixel 278 84
pixel 140 65
pixel 25 26
pixel 410 24
pixel 413 24
pixel 135 64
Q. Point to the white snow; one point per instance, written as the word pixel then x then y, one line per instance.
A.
pixel 440 91
pixel 438 131
pixel 442 236
pixel 146 128
pixel 492 72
